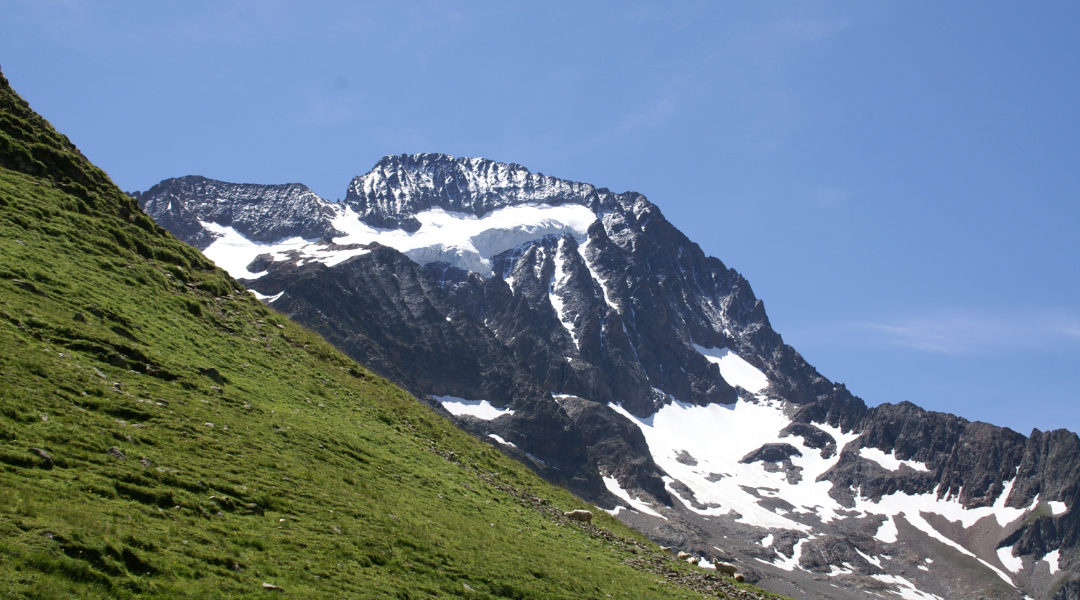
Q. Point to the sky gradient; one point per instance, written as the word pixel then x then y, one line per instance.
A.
pixel 899 182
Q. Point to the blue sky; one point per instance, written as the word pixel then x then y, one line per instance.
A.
pixel 900 182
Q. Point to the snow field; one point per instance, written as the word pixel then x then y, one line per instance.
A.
pixel 717 436
pixel 1011 562
pixel 734 369
pixel 498 438
pixel 791 563
pixel 462 240
pixel 481 409
pixel 234 252
pixel 913 507
pixel 613 486
pixel 265 297
pixel 905 588
pixel 889 461
pixel 1053 560
pixel 887 531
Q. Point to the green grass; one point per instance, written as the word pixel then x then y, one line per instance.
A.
pixel 253 452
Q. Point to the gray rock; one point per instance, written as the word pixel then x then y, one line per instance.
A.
pixel 771 453
pixel 46 458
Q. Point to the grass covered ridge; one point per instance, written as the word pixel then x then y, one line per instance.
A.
pixel 164 434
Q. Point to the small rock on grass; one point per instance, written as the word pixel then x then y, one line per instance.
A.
pixel 46 458
pixel 272 588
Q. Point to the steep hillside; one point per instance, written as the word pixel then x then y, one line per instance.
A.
pixel 163 433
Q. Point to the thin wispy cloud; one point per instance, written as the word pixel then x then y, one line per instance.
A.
pixel 976 333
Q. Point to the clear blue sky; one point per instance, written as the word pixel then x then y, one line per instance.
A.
pixel 900 182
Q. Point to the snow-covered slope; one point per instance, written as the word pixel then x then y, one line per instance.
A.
pixel 457 239
pixel 617 359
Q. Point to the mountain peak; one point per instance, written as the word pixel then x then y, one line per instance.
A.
pixel 614 357
pixel 262 213
pixel 399 186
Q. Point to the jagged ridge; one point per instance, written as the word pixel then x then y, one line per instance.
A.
pixel 398 187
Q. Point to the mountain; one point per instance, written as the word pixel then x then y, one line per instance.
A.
pixel 165 434
pixel 582 333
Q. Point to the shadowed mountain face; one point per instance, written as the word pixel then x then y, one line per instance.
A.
pixel 583 334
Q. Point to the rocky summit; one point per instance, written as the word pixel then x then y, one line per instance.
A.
pixel 580 332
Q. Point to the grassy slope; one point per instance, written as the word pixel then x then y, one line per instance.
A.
pixel 253 451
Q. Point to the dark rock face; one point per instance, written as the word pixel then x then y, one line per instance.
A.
pixel 617 446
pixel 612 356
pixel 389 313
pixel 398 187
pixel 772 453
pixel 378 306
pixel 964 459
pixel 1049 469
pixel 1069 591
pixel 263 213
pixel 813 437
pixel 568 329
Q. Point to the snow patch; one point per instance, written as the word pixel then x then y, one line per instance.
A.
pixel 734 369
pixel 1057 507
pixel 889 461
pixel 792 563
pixel 1053 559
pixel 718 436
pixel 555 290
pixel 920 523
pixel 874 560
pixel 842 569
pixel 481 409
pixel 266 298
pixel 596 275
pixel 907 590
pixel 462 240
pixel 499 439
pixel 1012 563
pixel 900 503
pixel 767 540
pixel 613 486
pixel 887 531
pixel 234 252
pixel 467 241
